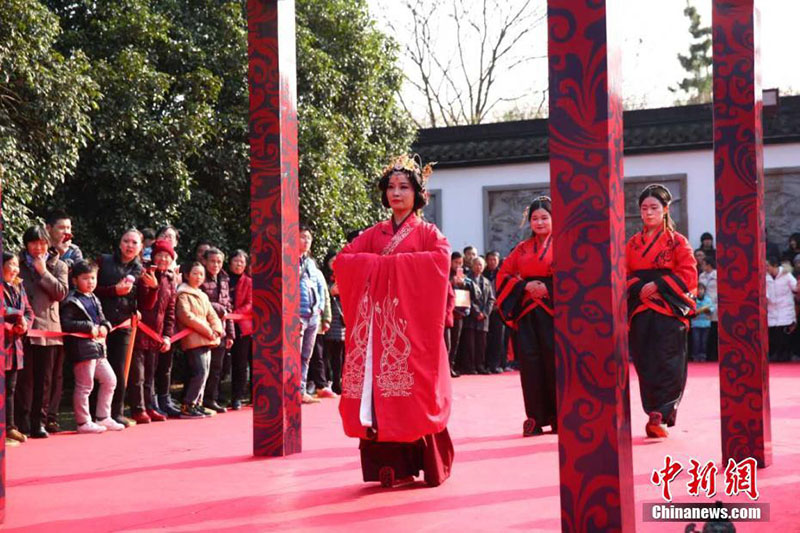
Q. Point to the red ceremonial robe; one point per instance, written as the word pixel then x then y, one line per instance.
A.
pixel 665 258
pixel 393 289
pixel 528 261
pixel 531 319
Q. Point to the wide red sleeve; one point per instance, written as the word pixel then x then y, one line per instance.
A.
pixel 451 305
pixel 510 288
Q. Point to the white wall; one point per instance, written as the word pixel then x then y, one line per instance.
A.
pixel 462 188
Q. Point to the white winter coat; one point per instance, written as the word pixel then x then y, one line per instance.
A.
pixel 709 279
pixel 780 299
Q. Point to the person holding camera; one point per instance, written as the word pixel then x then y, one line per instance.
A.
pixel 124 288
pixel 59 227
pixel 161 320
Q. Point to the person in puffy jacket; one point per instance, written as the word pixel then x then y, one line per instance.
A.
pixel 124 288
pixel 217 287
pixel 193 310
pixel 781 315
pixel 82 312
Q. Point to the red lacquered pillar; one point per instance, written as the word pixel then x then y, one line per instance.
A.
pixel 589 228
pixel 741 247
pixel 2 381
pixel 274 217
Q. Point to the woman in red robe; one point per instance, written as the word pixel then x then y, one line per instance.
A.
pixel 662 284
pixel 524 300
pixel 393 285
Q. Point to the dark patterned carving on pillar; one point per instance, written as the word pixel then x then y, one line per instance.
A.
pixel 739 173
pixel 2 377
pixel 274 213
pixel 589 262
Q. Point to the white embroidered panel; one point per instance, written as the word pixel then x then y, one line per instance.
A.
pixel 353 376
pixel 394 378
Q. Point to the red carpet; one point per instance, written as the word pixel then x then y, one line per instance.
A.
pixel 189 475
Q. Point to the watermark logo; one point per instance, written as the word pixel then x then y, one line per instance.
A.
pixel 740 478
pixel 662 478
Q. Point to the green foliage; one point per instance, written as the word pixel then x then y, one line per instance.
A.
pixel 158 132
pixel 349 120
pixel 45 101
pixel 156 114
pixel 698 85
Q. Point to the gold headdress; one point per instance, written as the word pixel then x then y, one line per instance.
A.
pixel 411 164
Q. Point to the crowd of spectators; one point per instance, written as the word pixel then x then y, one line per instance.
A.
pixel 65 313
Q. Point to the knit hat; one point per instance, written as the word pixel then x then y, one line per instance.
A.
pixel 162 245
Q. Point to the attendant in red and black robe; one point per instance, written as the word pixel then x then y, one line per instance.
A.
pixel 524 300
pixel 662 285
pixel 393 286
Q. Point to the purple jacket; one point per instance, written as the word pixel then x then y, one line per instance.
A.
pixel 219 292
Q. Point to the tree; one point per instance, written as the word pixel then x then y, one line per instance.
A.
pixel 156 113
pixel 698 84
pixel 45 101
pixel 170 136
pixel 457 80
pixel 349 119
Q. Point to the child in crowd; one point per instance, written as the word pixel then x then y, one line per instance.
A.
pixel 701 323
pixel 82 312
pixel 19 315
pixel 193 310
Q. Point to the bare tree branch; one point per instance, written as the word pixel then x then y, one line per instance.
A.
pixel 457 75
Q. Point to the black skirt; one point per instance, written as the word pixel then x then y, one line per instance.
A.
pixel 534 350
pixel 658 347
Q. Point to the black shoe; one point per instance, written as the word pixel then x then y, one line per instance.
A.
pixel 483 371
pixel 127 422
pixel 386 476
pixel 201 411
pixel 214 406
pixel 189 412
pixel 454 374
pixel 52 427
pixel 39 433
pixel 236 405
pixel 530 428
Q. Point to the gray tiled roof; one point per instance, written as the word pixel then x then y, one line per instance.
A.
pixel 646 131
